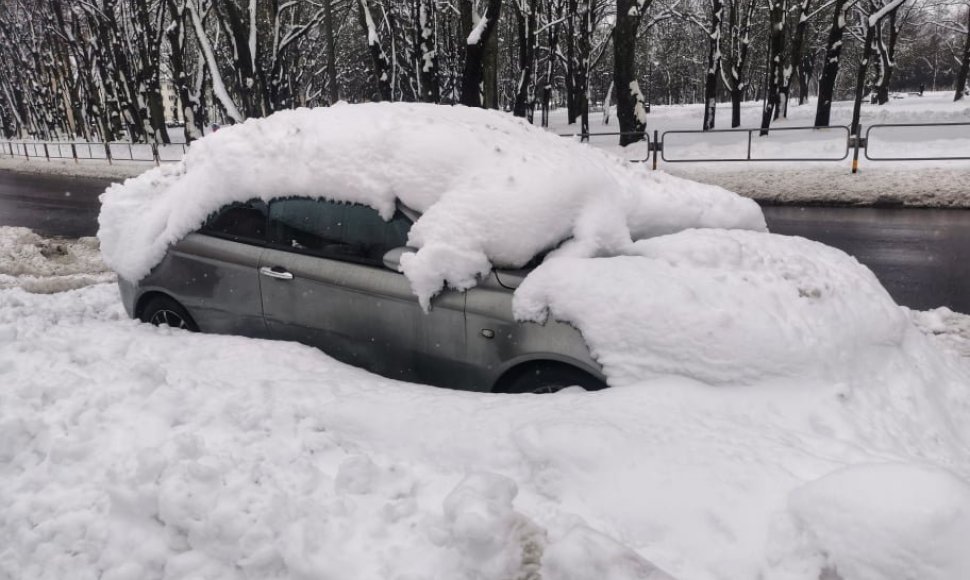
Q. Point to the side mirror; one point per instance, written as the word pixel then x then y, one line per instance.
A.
pixel 392 259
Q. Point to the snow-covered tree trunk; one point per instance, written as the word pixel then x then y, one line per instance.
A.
pixel 887 58
pixel 739 41
pixel 833 56
pixel 475 52
pixel 212 65
pixel 175 33
pixel 793 69
pixel 713 65
pixel 960 83
pixel 860 80
pixel 525 18
pixel 774 99
pixel 379 60
pixel 427 56
pixel 333 89
pixel 554 10
pixel 631 113
pixel 149 39
pixel 870 23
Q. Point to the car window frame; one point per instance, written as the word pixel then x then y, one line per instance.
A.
pixel 233 237
pixel 270 244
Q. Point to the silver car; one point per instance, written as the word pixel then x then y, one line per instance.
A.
pixel 326 274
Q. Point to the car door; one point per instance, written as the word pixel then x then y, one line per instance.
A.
pixel 213 273
pixel 324 284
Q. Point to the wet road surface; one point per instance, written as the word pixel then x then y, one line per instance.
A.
pixel 922 256
pixel 52 205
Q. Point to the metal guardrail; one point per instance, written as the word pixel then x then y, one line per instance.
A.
pixel 842 154
pixel 643 137
pixel 658 143
pixel 883 127
pixel 156 153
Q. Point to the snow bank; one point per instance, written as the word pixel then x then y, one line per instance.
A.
pixel 129 451
pixel 719 306
pixel 494 190
pixel 46 265
pixel 870 522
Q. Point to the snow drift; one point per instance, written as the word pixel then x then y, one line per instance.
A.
pixel 719 306
pixel 129 452
pixel 493 189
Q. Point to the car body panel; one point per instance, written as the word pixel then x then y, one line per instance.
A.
pixel 488 311
pixel 366 316
pixel 216 280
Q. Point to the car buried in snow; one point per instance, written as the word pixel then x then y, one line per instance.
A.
pixel 326 274
pixel 396 237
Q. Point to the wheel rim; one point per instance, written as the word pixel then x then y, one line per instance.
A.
pixel 166 317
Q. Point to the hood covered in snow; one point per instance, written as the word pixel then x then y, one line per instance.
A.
pixel 493 190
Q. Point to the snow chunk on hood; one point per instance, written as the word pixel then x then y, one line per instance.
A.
pixel 718 306
pixel 493 189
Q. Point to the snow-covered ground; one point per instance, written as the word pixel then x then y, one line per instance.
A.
pixel 130 452
pixel 45 265
pixel 916 183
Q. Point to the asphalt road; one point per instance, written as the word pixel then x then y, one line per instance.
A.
pixel 922 256
pixel 52 205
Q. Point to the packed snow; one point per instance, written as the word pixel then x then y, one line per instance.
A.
pixel 129 451
pixel 46 265
pixel 719 306
pixel 493 189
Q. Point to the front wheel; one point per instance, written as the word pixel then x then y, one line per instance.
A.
pixel 551 378
pixel 163 311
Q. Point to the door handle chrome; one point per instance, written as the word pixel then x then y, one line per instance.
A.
pixel 276 272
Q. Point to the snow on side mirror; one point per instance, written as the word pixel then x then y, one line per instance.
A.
pixel 392 259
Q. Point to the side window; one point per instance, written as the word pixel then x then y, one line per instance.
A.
pixel 341 231
pixel 244 222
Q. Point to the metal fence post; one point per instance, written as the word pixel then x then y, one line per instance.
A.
pixel 107 152
pixel 74 152
pixel 47 153
pixel 749 145
pixel 656 146
pixel 855 151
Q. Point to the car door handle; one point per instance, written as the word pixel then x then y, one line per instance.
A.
pixel 277 272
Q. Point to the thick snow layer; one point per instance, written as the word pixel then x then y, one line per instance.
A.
pixel 870 522
pixel 493 189
pixel 46 265
pixel 128 451
pixel 952 328
pixel 719 306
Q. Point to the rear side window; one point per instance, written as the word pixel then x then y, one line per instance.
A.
pixel 341 231
pixel 242 222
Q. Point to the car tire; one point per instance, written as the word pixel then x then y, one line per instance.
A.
pixel 163 311
pixel 544 379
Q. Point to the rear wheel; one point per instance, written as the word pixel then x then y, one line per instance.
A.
pixel 163 311
pixel 550 378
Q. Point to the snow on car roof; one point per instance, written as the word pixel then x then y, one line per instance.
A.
pixel 492 189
